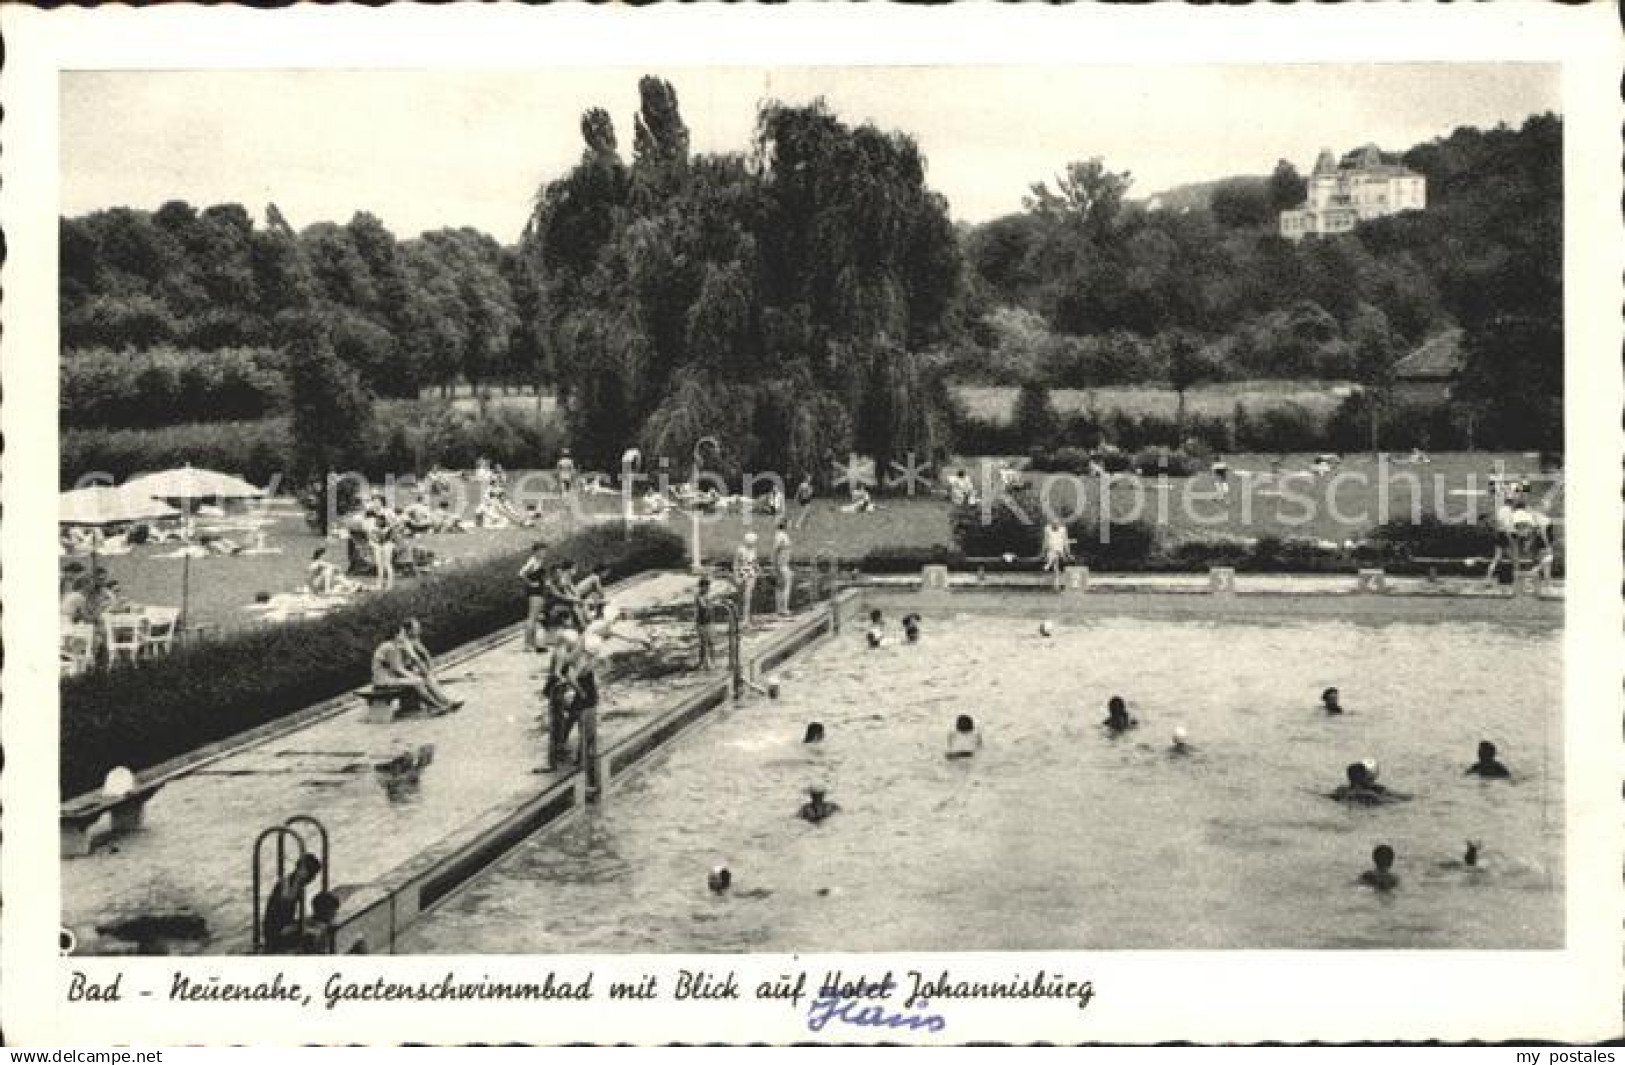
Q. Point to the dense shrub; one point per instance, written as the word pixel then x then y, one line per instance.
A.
pixel 1016 529
pixel 1297 554
pixel 1074 460
pixel 166 386
pixel 1122 545
pixel 996 527
pixel 909 558
pixel 140 716
pixel 1161 461
pixel 1282 428
pixel 405 438
pixel 1401 539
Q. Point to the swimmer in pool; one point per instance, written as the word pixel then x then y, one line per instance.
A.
pixel 720 881
pixel 1362 787
pixel 876 633
pixel 965 740
pixel 1117 716
pixel 911 628
pixel 1488 766
pixel 814 733
pixel 1180 747
pixel 1329 702
pixel 816 808
pixel 1381 875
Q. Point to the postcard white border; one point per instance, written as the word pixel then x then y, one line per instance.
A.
pixel 1573 994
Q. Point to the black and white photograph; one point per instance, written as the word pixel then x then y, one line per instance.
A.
pixel 893 511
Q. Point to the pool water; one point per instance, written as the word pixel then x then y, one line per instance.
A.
pixel 1057 836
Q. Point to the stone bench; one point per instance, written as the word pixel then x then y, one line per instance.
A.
pixel 386 704
pixel 79 816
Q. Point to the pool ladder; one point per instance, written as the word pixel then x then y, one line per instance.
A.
pixel 282 834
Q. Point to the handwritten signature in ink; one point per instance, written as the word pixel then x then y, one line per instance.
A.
pixel 821 1011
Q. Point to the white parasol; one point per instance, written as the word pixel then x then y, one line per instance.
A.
pixel 110 505
pixel 191 483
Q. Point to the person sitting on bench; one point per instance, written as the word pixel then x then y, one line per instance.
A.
pixel 421 662
pixel 391 673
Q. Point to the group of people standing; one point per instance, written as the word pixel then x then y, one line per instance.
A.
pixel 570 620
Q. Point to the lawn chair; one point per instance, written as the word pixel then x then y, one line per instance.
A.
pixel 125 634
pixel 161 624
pixel 78 647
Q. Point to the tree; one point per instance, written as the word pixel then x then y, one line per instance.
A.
pixel 1375 354
pixel 1188 363
pixel 331 413
pixel 1034 417
pixel 1287 187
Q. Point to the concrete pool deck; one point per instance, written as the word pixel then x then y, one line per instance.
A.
pixel 192 856
pixel 394 855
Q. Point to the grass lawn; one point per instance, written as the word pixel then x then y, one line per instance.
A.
pixel 995 402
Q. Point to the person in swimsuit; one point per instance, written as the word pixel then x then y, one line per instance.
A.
pixel 702 621
pixel 282 923
pixel 784 573
pixel 1057 549
pixel 1221 476
pixel 875 635
pixel 1488 766
pixel 816 809
pixel 534 575
pixel 965 740
pixel 1362 788
pixel 746 570
pixel 1117 716
pixel 1381 875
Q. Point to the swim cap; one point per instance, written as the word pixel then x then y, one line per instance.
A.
pixel 1370 767
pixel 119 783
pixel 1180 734
pixel 1045 628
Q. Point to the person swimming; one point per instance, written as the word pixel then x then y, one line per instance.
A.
pixel 1117 716
pixel 816 808
pixel 719 880
pixel 814 733
pixel 965 740
pixel 1362 787
pixel 911 627
pixel 1488 766
pixel 1381 875
pixel 876 633
pixel 1180 747
pixel 1329 702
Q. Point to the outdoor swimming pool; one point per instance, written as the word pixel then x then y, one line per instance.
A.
pixel 1056 836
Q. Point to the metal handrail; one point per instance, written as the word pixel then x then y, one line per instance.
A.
pixel 735 666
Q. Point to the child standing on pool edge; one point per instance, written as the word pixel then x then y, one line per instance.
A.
pixel 702 621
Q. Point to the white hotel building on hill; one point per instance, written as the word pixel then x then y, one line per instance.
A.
pixel 1361 186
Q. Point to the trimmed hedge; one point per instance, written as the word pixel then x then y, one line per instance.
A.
pixel 139 716
pixel 1002 530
